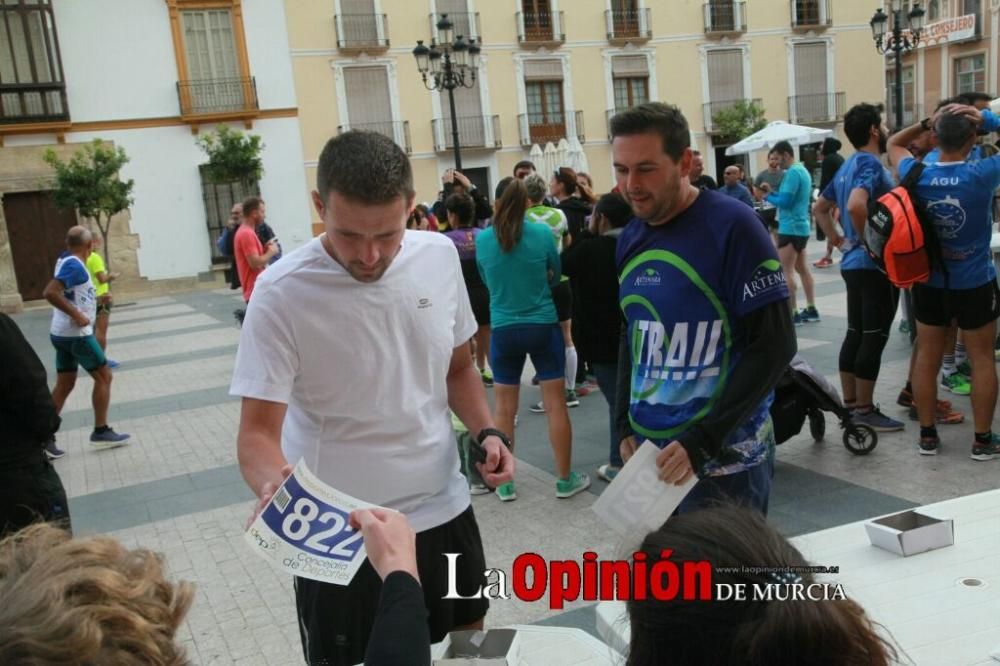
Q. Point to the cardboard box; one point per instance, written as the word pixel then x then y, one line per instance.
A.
pixel 910 532
pixel 496 647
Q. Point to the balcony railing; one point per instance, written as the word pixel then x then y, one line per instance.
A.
pixel 728 16
pixel 810 14
pixel 822 108
pixel 543 128
pixel 217 96
pixel 465 24
pixel 537 28
pixel 397 130
pixel 33 103
pixel 629 25
pixel 711 109
pixel 473 132
pixel 358 32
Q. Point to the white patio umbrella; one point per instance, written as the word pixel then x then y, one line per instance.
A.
pixel 549 162
pixel 775 132
pixel 577 158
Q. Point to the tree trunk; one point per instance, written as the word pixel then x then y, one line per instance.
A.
pixel 105 229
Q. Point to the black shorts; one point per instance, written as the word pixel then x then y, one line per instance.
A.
pixel 31 491
pixel 971 308
pixel 335 621
pixel 479 297
pixel 562 297
pixel 798 242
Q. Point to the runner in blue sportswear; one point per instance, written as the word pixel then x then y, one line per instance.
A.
pixel 958 196
pixel 708 331
pixel 871 298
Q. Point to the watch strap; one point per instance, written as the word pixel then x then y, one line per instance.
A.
pixel 493 432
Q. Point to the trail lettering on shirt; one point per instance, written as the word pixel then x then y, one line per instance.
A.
pixel 691 349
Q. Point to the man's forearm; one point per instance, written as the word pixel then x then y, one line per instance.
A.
pixel 59 302
pixel 260 458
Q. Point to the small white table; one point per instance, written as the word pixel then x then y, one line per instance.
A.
pixel 924 601
pixel 557 646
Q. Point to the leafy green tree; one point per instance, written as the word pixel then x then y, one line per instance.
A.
pixel 233 157
pixel 89 183
pixel 740 120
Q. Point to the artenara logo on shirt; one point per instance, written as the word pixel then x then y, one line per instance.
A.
pixel 648 278
pixel 767 277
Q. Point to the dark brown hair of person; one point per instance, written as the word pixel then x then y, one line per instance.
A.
pixel 752 632
pixel 508 220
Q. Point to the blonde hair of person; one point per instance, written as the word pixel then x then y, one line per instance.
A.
pixel 88 601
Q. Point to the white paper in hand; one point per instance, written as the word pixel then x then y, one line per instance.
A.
pixel 303 530
pixel 637 499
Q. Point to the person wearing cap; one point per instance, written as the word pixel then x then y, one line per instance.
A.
pixel 832 161
pixel 590 263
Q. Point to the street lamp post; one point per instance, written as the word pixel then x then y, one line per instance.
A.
pixel 898 42
pixel 448 65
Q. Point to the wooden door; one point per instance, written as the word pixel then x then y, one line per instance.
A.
pixel 37 231
pixel 625 18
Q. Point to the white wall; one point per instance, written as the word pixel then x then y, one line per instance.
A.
pixel 118 57
pixel 267 45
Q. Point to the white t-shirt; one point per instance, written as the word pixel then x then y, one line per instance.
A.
pixel 363 368
pixel 79 291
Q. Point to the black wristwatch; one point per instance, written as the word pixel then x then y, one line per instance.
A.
pixel 493 432
pixel 925 124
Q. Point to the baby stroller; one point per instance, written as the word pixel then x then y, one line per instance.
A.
pixel 804 393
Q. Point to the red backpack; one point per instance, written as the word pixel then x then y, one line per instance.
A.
pixel 900 236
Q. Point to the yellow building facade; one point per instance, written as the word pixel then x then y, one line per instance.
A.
pixel 553 69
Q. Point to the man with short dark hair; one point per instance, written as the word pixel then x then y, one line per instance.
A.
pixel 958 197
pixel 523 169
pixel 251 257
pixel 699 178
pixel 792 200
pixel 708 331
pixel 349 360
pixel 871 298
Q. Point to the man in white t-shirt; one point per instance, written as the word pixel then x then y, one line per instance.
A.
pixel 349 359
pixel 71 292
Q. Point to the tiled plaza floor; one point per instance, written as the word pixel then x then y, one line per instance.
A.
pixel 177 489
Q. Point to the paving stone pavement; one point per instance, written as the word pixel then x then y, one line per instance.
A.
pixel 177 488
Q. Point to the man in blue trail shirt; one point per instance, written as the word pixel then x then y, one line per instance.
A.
pixel 871 298
pixel 707 327
pixel 958 196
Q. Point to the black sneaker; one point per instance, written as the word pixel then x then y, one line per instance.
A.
pixel 982 452
pixel 53 452
pixel 929 446
pixel 239 314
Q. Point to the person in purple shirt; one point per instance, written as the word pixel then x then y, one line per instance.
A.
pixel 733 187
pixel 461 210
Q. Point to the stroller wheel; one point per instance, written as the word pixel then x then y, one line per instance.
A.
pixel 817 424
pixel 860 439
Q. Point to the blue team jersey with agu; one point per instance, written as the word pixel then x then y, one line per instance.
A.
pixel 684 288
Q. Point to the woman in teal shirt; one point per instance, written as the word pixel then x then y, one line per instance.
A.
pixel 520 263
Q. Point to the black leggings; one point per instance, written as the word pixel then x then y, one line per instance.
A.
pixel 871 307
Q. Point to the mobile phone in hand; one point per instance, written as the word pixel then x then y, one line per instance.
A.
pixel 477 454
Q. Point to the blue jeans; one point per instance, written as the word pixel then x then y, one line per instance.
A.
pixel 607 376
pixel 751 489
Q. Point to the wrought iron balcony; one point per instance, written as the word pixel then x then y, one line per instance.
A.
pixel 711 109
pixel 540 28
pixel 725 17
pixel 542 128
pixel 631 25
pixel 465 24
pixel 209 97
pixel 362 32
pixel 33 103
pixel 811 14
pixel 397 130
pixel 473 132
pixel 822 108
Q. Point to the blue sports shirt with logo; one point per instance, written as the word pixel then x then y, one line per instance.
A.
pixel 684 288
